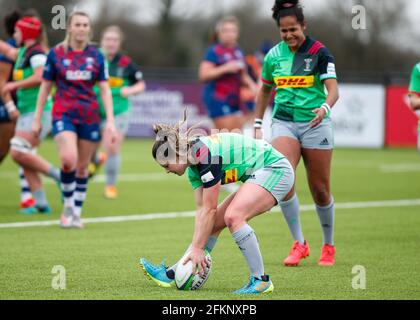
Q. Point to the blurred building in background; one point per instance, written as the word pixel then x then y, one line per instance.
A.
pixel 167 39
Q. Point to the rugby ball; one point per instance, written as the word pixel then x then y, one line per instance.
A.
pixel 184 277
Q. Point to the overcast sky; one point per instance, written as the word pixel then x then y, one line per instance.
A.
pixel 146 9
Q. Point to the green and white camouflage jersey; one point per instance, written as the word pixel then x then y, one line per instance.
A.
pixel 299 79
pixel 229 157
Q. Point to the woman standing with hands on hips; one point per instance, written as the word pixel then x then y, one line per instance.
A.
pixel 300 68
pixel 75 66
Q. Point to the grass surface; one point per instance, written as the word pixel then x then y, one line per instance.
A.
pixel 101 261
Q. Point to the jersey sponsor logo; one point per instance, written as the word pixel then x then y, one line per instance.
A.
pixel 294 82
pixel 94 135
pixel 207 177
pixel 325 142
pixel 18 75
pixel 231 176
pixel 115 82
pixel 89 62
pixel 139 75
pixel 308 65
pixel 331 69
pixel 60 126
pixel 78 75
pixel 66 62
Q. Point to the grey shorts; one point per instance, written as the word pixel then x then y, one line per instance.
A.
pixel 24 123
pixel 277 178
pixel 122 122
pixel 320 137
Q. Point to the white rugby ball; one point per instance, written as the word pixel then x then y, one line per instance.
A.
pixel 184 277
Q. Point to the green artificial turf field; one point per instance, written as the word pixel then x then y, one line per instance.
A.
pixel 101 261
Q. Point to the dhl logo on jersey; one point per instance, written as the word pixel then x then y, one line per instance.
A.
pixel 294 82
pixel 18 75
pixel 231 176
pixel 115 82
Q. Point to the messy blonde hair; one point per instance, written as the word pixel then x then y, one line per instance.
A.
pixel 172 140
pixel 66 42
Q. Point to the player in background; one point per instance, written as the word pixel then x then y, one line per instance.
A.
pixel 7 121
pixel 300 68
pixel 125 80
pixel 211 162
pixel 75 66
pixel 27 75
pixel 223 70
pixel 254 64
pixel 414 95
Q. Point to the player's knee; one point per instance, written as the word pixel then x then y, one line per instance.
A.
pixel 82 170
pixel 18 157
pixel 21 148
pixel 233 218
pixel 218 226
pixel 322 195
pixel 68 163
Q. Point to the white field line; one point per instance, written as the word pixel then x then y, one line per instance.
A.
pixel 100 178
pixel 400 168
pixel 188 214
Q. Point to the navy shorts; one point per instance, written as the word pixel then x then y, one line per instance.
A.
pixel 4 115
pixel 90 132
pixel 250 106
pixel 216 108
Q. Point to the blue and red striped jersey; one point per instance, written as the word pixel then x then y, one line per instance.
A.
pixel 75 74
pixel 227 87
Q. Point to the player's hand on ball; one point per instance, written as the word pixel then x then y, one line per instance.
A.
pixel 198 259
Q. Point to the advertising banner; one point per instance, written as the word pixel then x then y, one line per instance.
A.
pixel 401 121
pixel 359 116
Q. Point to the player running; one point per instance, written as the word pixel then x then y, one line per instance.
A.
pixel 27 75
pixel 414 95
pixel 224 72
pixel 214 161
pixel 75 66
pixel 300 68
pixel 125 80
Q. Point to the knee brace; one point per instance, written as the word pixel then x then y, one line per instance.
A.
pixel 22 145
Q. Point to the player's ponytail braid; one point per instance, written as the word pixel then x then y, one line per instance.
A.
pixel 284 8
pixel 177 141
